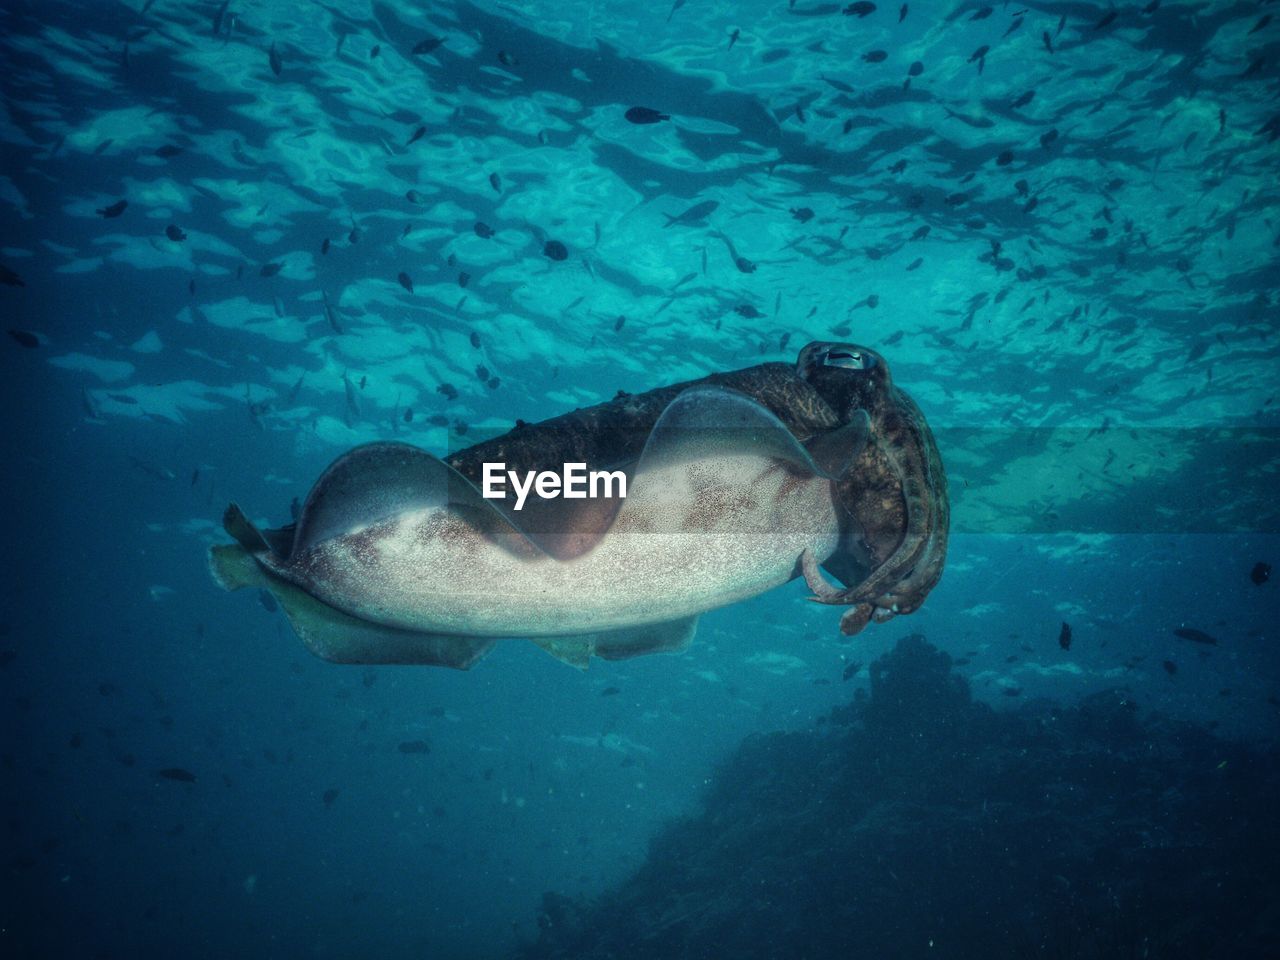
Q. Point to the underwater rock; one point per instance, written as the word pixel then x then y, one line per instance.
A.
pixel 916 822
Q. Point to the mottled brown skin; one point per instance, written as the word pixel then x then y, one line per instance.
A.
pixel 893 497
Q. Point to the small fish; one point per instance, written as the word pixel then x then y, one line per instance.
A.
pixel 416 135
pixel 861 9
pixel 1024 99
pixel 177 773
pixel 324 247
pixel 902 13
pixel 1047 41
pixel 982 13
pixel 270 269
pixel 1262 22
pixel 1064 636
pixel 1047 138
pixel 980 55
pixel 495 181
pixel 695 214
pixel 1170 667
pixel 405 281
pixel 415 196
pixel 25 338
pixel 482 230
pixel 415 746
pixel 175 233
pixel 803 214
pixel 1260 573
pixel 423 47
pixel 850 670
pixel 610 692
pixel 619 323
pixel 555 250
pixel 1108 18
pixel 277 65
pixel 330 313
pixel 643 115
pixel 167 151
pixel 475 339
pixel 114 210
pixel 268 601
pixel 329 796
pixel 1195 636
pixel 875 56
pixel 837 84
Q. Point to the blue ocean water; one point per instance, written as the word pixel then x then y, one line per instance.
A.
pixel 240 238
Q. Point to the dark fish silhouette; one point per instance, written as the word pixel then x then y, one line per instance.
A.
pixel 167 151
pixel 270 269
pixel 1108 18
pixel 423 47
pixel 1064 636
pixel 645 115
pixel 861 9
pixel 329 796
pixel 875 56
pixel 1196 636
pixel 1260 573
pixel 695 214
pixel 482 230
pixel 175 233
pixel 177 773
pixel 277 66
pixel 415 746
pixel 555 250
pixel 416 135
pixel 10 278
pixel 114 210
pixel 850 669
pixel 1170 667
pixel 405 281
pixel 28 340
pixel 609 691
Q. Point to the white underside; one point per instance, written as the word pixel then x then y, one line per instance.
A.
pixel 688 539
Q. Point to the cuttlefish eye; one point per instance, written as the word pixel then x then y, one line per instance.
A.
pixel 848 359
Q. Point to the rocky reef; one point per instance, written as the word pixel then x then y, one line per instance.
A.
pixel 917 822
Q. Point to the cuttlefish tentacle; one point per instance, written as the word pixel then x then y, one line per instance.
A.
pixel 912 468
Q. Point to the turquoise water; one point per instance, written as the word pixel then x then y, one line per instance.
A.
pixel 1064 247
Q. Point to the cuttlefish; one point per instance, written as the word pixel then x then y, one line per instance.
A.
pixel 735 484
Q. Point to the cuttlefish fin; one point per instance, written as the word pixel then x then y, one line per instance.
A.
pixel 670 636
pixel 377 481
pixel 712 421
pixel 333 635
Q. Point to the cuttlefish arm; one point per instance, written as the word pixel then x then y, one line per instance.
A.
pixel 900 583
